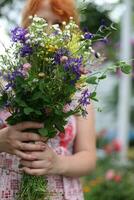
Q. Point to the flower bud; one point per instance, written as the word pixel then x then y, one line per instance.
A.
pixel 63 59
pixel 41 75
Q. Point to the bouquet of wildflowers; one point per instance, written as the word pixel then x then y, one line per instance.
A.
pixel 43 79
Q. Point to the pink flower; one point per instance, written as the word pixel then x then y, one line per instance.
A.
pixel 26 68
pixel 66 108
pixel 63 59
pixel 117 178
pixel 116 145
pixel 110 174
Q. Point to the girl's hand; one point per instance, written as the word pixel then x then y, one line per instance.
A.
pixel 47 162
pixel 13 140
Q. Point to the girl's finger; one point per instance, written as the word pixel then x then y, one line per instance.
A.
pixel 24 155
pixel 35 164
pixel 31 147
pixel 35 172
pixel 27 136
pixel 28 125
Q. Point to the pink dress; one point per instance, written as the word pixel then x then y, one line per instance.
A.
pixel 60 187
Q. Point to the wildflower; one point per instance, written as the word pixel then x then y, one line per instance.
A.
pixel 85 99
pixel 86 189
pixel 60 53
pixel 26 50
pixel 19 34
pixel 74 65
pixel 41 75
pixel 64 23
pixel 116 146
pixel 88 36
pixel 117 178
pixel 26 67
pixel 51 48
pixel 10 78
pixel 63 59
pixel 9 86
pixel 110 174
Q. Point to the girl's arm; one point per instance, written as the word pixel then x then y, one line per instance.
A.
pixel 84 159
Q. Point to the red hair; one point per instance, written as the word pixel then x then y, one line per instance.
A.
pixel 63 8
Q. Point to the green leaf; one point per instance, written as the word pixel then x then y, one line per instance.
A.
pixel 28 110
pixel 127 69
pixel 1 103
pixel 38 112
pixel 52 133
pixel 92 80
pixel 93 96
pixel 59 126
pixel 41 86
pixel 119 64
pixel 43 132
pixel 94 99
pixel 102 77
pixel 20 102
pixel 36 95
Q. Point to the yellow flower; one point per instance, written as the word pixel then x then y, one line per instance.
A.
pixel 95 182
pixel 51 48
pixel 86 189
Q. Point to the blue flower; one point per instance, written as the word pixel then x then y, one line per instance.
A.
pixel 10 78
pixel 59 53
pixel 19 34
pixel 73 66
pixel 88 36
pixel 85 99
pixel 9 85
pixel 56 32
pixel 26 50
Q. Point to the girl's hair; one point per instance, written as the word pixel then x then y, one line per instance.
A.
pixel 63 8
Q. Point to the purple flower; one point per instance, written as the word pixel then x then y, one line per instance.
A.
pixel 9 85
pixel 19 34
pixel 26 50
pixel 73 65
pixel 85 99
pixel 60 53
pixel 56 32
pixel 10 78
pixel 88 36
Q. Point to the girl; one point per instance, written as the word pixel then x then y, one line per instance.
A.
pixel 63 159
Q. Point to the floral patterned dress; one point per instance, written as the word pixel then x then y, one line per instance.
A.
pixel 60 187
